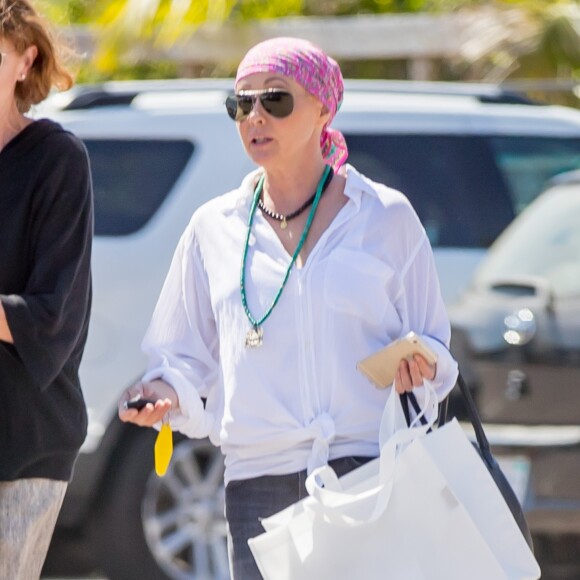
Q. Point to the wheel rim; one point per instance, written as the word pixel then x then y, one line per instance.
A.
pixel 183 514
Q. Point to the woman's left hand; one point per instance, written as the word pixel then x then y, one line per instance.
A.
pixel 412 372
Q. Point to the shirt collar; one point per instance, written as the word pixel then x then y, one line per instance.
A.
pixel 356 185
pixel 242 196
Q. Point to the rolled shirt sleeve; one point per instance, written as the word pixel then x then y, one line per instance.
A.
pixel 423 309
pixel 182 343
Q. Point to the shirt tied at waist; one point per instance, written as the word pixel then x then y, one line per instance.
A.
pixel 323 431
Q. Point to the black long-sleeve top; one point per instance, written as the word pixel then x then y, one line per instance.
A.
pixel 46 226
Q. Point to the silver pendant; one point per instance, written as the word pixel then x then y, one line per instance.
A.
pixel 254 337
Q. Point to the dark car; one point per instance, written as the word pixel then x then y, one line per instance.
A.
pixel 516 334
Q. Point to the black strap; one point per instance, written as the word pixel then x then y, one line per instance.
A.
pixel 470 406
pixel 474 417
pixel 443 408
pixel 409 397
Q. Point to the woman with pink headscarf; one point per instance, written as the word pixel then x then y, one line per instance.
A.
pixel 275 292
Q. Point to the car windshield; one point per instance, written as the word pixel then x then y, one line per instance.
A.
pixel 543 244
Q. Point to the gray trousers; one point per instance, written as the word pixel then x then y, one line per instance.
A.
pixel 28 512
pixel 249 500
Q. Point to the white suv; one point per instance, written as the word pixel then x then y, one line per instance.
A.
pixel 468 157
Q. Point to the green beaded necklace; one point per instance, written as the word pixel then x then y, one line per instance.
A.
pixel 255 335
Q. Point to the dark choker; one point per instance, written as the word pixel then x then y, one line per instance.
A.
pixel 284 219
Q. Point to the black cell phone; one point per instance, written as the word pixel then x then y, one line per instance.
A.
pixel 138 402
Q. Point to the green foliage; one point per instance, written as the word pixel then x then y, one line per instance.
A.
pixel 349 7
pixel 131 30
pixel 79 11
pixel 260 9
pixel 65 12
pixel 134 71
pixel 534 6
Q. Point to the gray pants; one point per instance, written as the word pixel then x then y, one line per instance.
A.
pixel 249 500
pixel 28 512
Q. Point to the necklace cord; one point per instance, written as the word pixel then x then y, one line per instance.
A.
pixel 286 218
pixel 257 193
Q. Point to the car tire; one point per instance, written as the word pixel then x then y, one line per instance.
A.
pixel 169 528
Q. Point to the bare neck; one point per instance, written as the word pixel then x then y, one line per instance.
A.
pixel 288 188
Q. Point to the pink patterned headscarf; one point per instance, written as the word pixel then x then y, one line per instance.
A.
pixel 311 68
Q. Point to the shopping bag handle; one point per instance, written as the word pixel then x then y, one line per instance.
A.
pixel 325 488
pixel 471 408
pixel 330 500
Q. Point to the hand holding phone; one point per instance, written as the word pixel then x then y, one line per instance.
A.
pixel 138 402
pixel 159 393
pixel 381 367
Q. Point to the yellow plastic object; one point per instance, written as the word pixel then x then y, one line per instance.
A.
pixel 163 449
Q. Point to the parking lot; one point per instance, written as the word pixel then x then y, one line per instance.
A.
pixel 563 549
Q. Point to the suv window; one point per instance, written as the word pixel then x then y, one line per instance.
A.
pixel 529 162
pixel 132 178
pixel 465 189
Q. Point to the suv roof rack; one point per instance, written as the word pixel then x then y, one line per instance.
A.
pixel 484 92
pixel 113 93
pixel 124 92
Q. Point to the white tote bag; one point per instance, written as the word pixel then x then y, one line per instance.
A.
pixel 427 509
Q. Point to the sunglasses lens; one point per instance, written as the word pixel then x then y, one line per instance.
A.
pixel 279 104
pixel 232 106
pixel 245 106
pixel 239 106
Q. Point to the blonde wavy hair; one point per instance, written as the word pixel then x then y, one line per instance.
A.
pixel 23 26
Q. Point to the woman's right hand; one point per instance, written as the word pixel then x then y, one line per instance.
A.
pixel 161 392
pixel 412 372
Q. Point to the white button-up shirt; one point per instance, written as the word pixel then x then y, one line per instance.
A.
pixel 298 399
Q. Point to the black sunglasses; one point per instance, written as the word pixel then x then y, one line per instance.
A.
pixel 276 102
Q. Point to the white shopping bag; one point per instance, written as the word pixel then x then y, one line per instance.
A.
pixel 429 511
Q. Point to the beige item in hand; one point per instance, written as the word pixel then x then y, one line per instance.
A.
pixel 381 367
